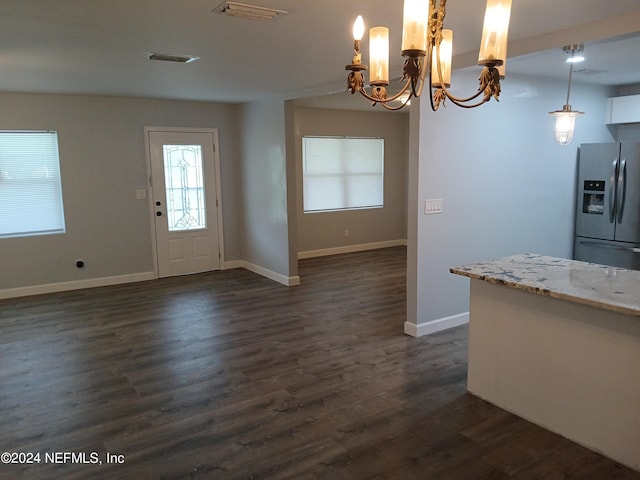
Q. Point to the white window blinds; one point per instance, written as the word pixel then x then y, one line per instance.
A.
pixel 342 173
pixel 30 186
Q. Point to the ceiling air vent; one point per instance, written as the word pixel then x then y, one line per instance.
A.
pixel 170 57
pixel 243 10
pixel 589 71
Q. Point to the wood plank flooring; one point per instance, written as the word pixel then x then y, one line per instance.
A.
pixel 227 375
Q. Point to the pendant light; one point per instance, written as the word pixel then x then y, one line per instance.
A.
pixel 566 118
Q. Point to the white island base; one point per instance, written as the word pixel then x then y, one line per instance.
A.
pixel 573 368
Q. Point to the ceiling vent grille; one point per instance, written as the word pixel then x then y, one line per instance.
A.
pixel 170 57
pixel 243 10
pixel 589 71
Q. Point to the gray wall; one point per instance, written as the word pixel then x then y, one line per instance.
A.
pixel 508 188
pixel 326 230
pixel 265 218
pixel 102 160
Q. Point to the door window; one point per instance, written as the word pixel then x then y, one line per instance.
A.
pixel 184 186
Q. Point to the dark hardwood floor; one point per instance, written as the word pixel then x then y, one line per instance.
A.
pixel 227 375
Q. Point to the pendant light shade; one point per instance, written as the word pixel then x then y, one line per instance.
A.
pixel 565 124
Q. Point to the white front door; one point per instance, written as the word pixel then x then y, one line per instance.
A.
pixel 184 178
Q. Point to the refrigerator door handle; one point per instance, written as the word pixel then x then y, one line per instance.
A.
pixel 613 247
pixel 621 191
pixel 612 192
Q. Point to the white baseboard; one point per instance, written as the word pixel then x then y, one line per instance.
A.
pixel 351 248
pixel 265 272
pixel 434 326
pixel 231 264
pixel 134 277
pixel 76 285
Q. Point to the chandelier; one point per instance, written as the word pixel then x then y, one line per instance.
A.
pixel 566 118
pixel 427 47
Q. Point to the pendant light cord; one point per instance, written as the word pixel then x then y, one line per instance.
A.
pixel 569 86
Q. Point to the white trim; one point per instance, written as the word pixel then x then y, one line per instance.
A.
pixel 76 285
pixel 150 206
pixel 136 277
pixel 218 183
pixel 352 248
pixel 427 328
pixel 270 274
pixel 228 265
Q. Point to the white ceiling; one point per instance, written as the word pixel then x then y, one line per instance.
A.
pixel 98 47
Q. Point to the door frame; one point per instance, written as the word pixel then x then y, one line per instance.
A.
pixel 150 196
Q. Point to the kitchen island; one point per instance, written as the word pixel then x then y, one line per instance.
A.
pixel 557 342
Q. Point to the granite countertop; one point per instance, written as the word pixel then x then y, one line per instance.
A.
pixel 609 288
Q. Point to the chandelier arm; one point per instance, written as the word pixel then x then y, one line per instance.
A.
pixel 434 107
pixel 457 100
pixel 423 73
pixel 450 96
pixel 460 102
pixel 398 107
pixel 487 79
pixel 466 105
pixel 363 92
pixel 441 93
pixel 402 90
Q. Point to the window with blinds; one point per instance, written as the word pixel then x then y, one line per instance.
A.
pixel 342 173
pixel 30 185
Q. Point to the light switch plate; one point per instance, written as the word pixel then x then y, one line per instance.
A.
pixel 433 206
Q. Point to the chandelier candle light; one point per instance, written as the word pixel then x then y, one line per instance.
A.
pixel 566 118
pixel 427 47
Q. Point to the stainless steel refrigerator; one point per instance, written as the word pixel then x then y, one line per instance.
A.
pixel 608 204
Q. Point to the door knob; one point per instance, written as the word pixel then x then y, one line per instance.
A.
pixel 158 203
pixel 158 214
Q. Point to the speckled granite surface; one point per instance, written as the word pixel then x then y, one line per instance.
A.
pixel 600 286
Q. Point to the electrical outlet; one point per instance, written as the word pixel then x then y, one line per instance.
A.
pixel 433 206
